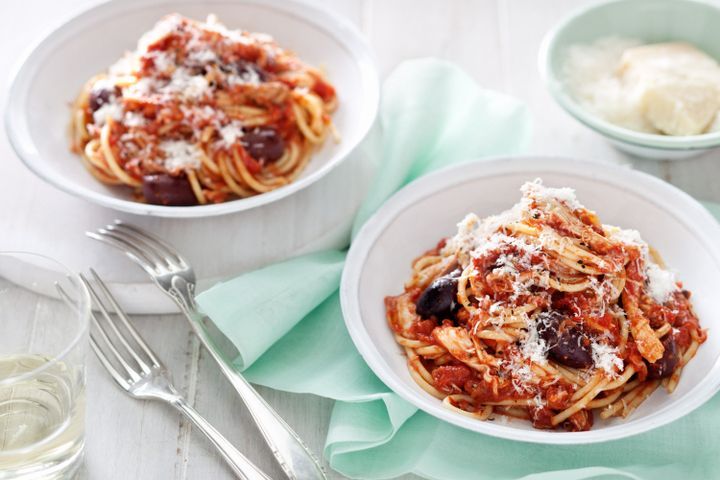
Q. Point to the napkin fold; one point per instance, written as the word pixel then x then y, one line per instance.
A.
pixel 254 311
pixel 286 322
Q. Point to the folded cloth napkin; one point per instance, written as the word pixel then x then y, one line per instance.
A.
pixel 286 322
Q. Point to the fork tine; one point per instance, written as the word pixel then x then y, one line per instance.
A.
pixel 162 245
pixel 107 364
pixel 125 320
pixel 130 250
pixel 104 334
pixel 149 254
pixel 134 376
pixel 148 249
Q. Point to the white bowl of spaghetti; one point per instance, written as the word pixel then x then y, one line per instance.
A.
pixel 201 118
pixel 552 318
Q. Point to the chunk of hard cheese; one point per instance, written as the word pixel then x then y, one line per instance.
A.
pixel 677 107
pixel 677 84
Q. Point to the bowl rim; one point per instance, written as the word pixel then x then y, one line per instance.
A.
pixel 334 25
pixel 558 91
pixel 448 177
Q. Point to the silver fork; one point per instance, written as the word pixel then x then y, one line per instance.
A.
pixel 137 370
pixel 172 273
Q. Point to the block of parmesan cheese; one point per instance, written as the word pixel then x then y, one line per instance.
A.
pixel 678 86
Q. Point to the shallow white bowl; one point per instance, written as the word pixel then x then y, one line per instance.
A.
pixel 38 109
pixel 427 210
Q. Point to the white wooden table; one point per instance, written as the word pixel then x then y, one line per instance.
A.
pixel 496 41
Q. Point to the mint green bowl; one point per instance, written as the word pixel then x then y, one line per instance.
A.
pixel 651 21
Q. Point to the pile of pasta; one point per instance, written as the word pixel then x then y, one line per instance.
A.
pixel 202 114
pixel 545 314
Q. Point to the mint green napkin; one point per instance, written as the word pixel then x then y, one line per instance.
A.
pixel 286 321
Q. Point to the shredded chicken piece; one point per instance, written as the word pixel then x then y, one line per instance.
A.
pixel 401 314
pixel 649 346
pixel 459 344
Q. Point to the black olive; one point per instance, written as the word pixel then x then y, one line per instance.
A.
pixel 547 326
pixel 248 70
pixel 100 95
pixel 196 70
pixel 570 347
pixel 166 189
pixel 665 365
pixel 439 299
pixel 263 143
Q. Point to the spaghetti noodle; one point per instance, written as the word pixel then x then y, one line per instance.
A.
pixel 202 114
pixel 545 314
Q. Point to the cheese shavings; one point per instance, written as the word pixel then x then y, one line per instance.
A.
pixel 537 191
pixel 231 133
pixel 661 283
pixel 533 347
pixel 109 110
pixel 605 358
pixel 180 155
pixel 187 85
pixel 202 56
pixel 474 233
pixel 134 119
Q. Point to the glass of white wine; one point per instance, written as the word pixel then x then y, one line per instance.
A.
pixel 44 315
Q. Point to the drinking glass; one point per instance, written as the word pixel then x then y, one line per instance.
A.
pixel 44 315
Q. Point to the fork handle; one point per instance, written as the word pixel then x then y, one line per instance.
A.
pixel 294 457
pixel 242 467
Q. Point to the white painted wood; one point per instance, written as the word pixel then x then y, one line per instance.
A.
pixel 463 31
pixel 496 41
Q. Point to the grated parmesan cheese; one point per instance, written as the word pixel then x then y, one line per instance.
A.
pixel 510 265
pixel 231 133
pixel 538 191
pixel 189 86
pixel 522 375
pixel 590 74
pixel 140 88
pixel 626 236
pixel 533 347
pixel 162 60
pixel 605 358
pixel 180 155
pixel 134 119
pixel 661 283
pixel 111 109
pixel 203 56
pixel 160 30
pixel 474 233
pixel 212 24
pixel 209 112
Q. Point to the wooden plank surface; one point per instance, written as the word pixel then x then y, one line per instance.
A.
pixel 496 41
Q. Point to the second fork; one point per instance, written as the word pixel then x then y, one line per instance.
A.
pixel 138 371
